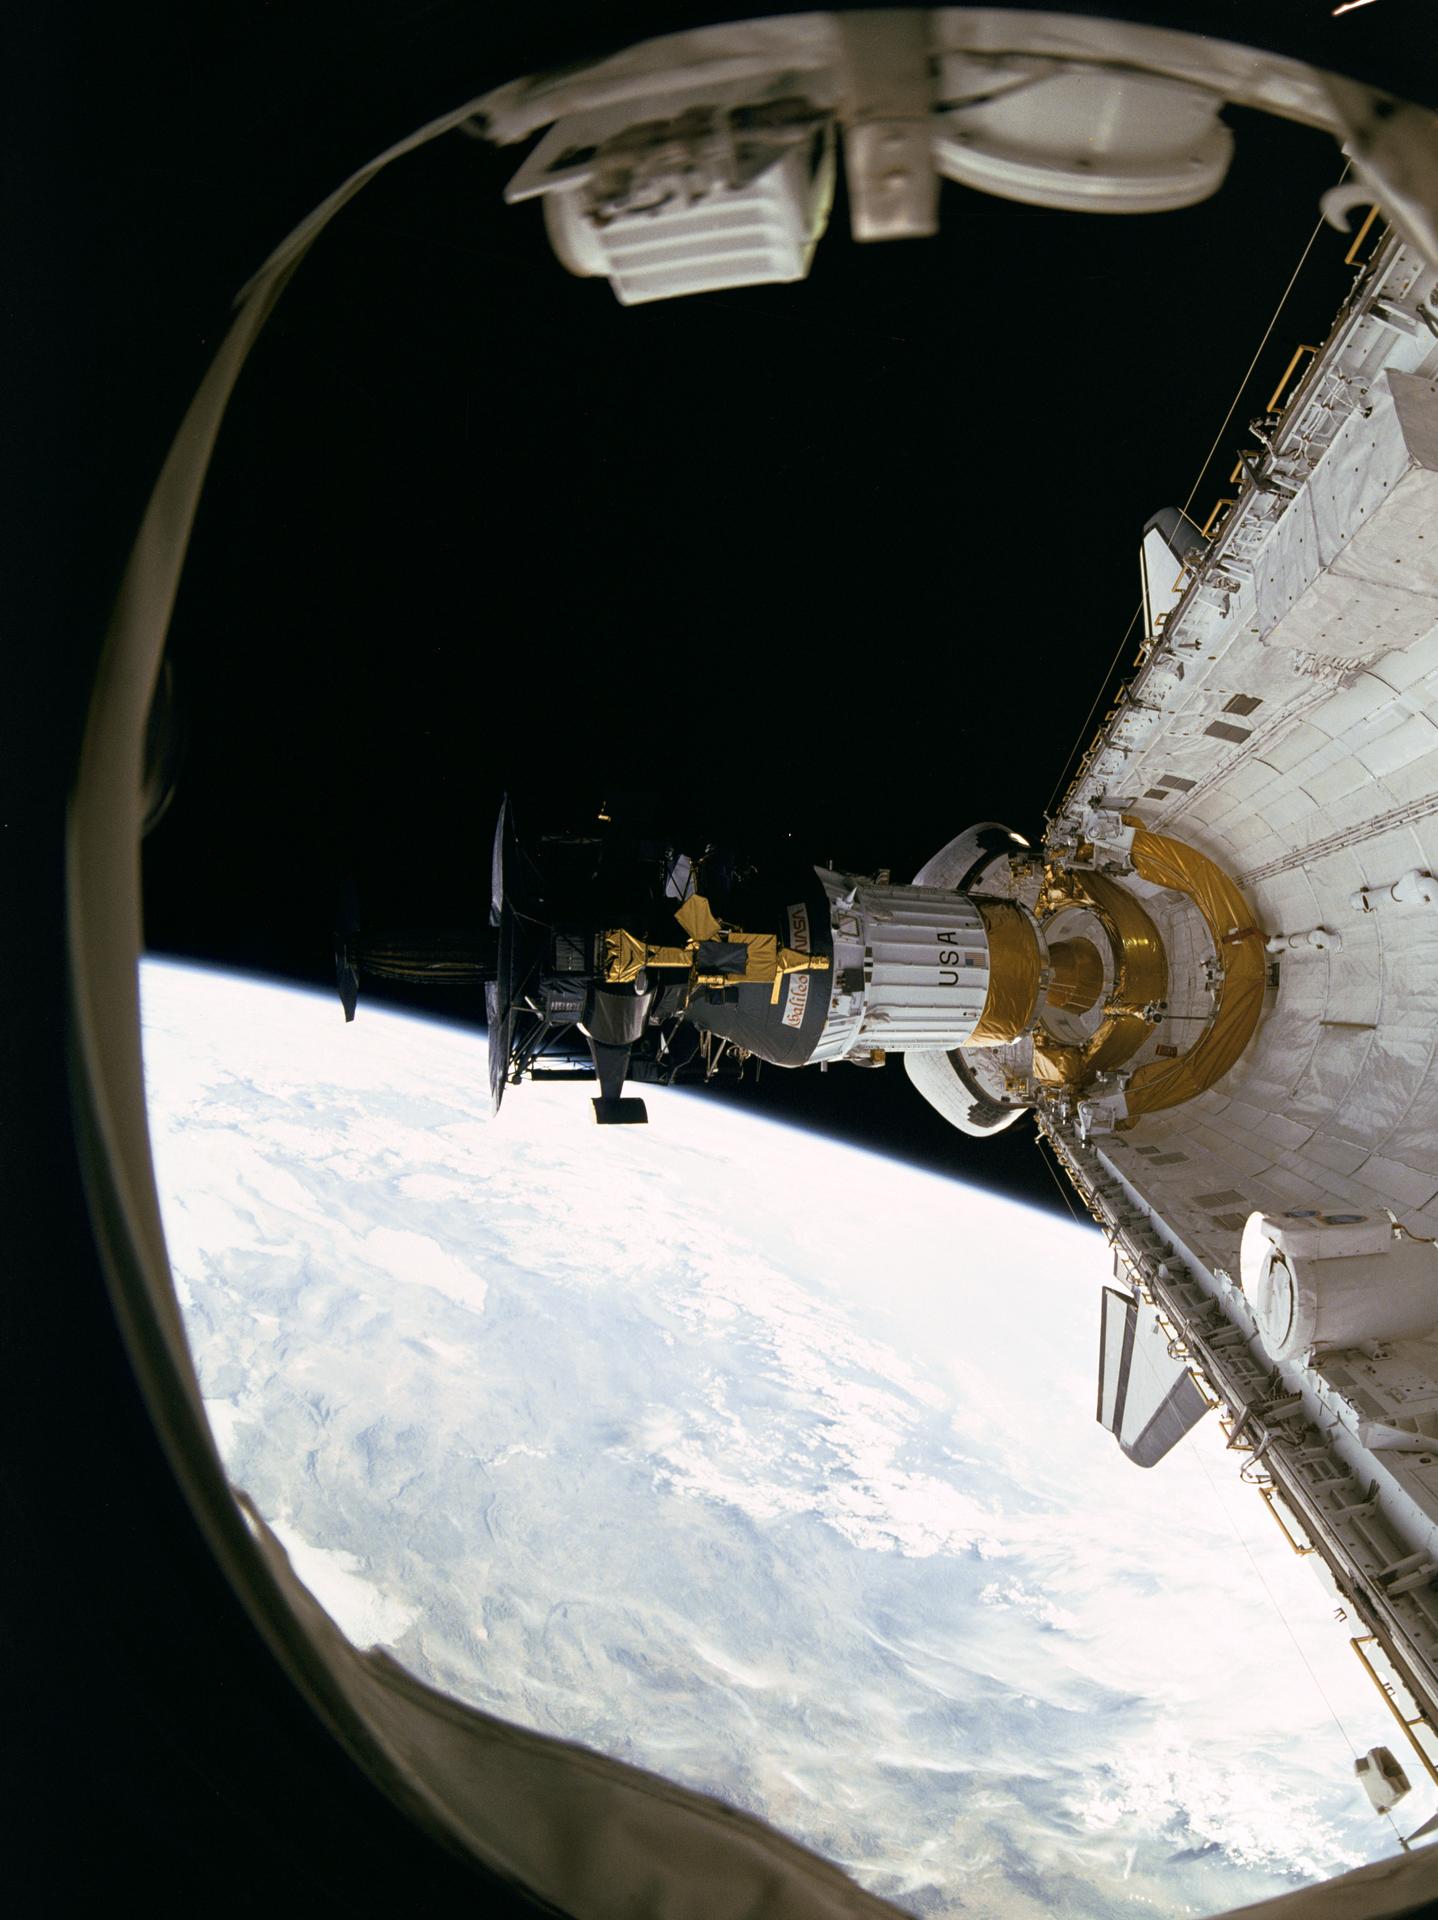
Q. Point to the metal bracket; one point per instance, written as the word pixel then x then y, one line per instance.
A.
pixel 888 134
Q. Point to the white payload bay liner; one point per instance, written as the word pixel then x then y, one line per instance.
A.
pixel 1285 722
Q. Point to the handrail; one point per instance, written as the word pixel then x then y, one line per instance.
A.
pixel 1420 1719
pixel 1350 259
pixel 1277 394
pixel 1218 506
pixel 1269 1497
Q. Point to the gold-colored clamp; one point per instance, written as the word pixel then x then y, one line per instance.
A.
pixel 766 963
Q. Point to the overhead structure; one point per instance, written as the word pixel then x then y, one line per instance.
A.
pixel 708 160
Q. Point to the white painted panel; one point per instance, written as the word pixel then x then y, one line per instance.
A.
pixel 1399 1184
pixel 1403 670
pixel 1341 777
pixel 1294 746
pixel 1412 739
pixel 1417 780
pixel 1116 1311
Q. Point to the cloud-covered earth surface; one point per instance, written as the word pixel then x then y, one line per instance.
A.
pixel 753 1459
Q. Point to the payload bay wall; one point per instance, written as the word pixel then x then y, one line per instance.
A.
pixel 1284 720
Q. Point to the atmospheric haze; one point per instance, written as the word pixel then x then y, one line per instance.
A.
pixel 745 1456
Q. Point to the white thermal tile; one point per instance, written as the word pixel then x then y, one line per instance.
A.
pixel 1425 831
pixel 1265 1197
pixel 1404 667
pixel 1298 1188
pixel 1287 902
pixel 1345 714
pixel 1348 619
pixel 1355 986
pixel 1208 809
pixel 1293 747
pixel 1268 846
pixel 1208 1139
pixel 1394 1068
pixel 1385 857
pixel 1412 740
pixel 1244 1159
pixel 1250 777
pixel 1343 776
pixel 1415 1138
pixel 1285 806
pixel 1272 1072
pixel 1414 780
pixel 1334 1075
pixel 1246 833
pixel 1397 1182
pixel 1326 1154
pixel 1287 1133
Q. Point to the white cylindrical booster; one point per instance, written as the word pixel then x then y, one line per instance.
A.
pixel 911 971
pixel 1336 1281
pixel 926 967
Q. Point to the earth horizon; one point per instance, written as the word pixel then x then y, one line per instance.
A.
pixel 745 1456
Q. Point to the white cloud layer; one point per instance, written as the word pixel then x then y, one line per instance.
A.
pixel 745 1456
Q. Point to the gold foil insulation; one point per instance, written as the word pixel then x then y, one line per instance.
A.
pixel 1237 941
pixel 766 962
pixel 696 916
pixel 1140 977
pixel 1077 975
pixel 1015 969
pixel 1142 963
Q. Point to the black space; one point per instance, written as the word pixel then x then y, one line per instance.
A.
pixel 850 558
